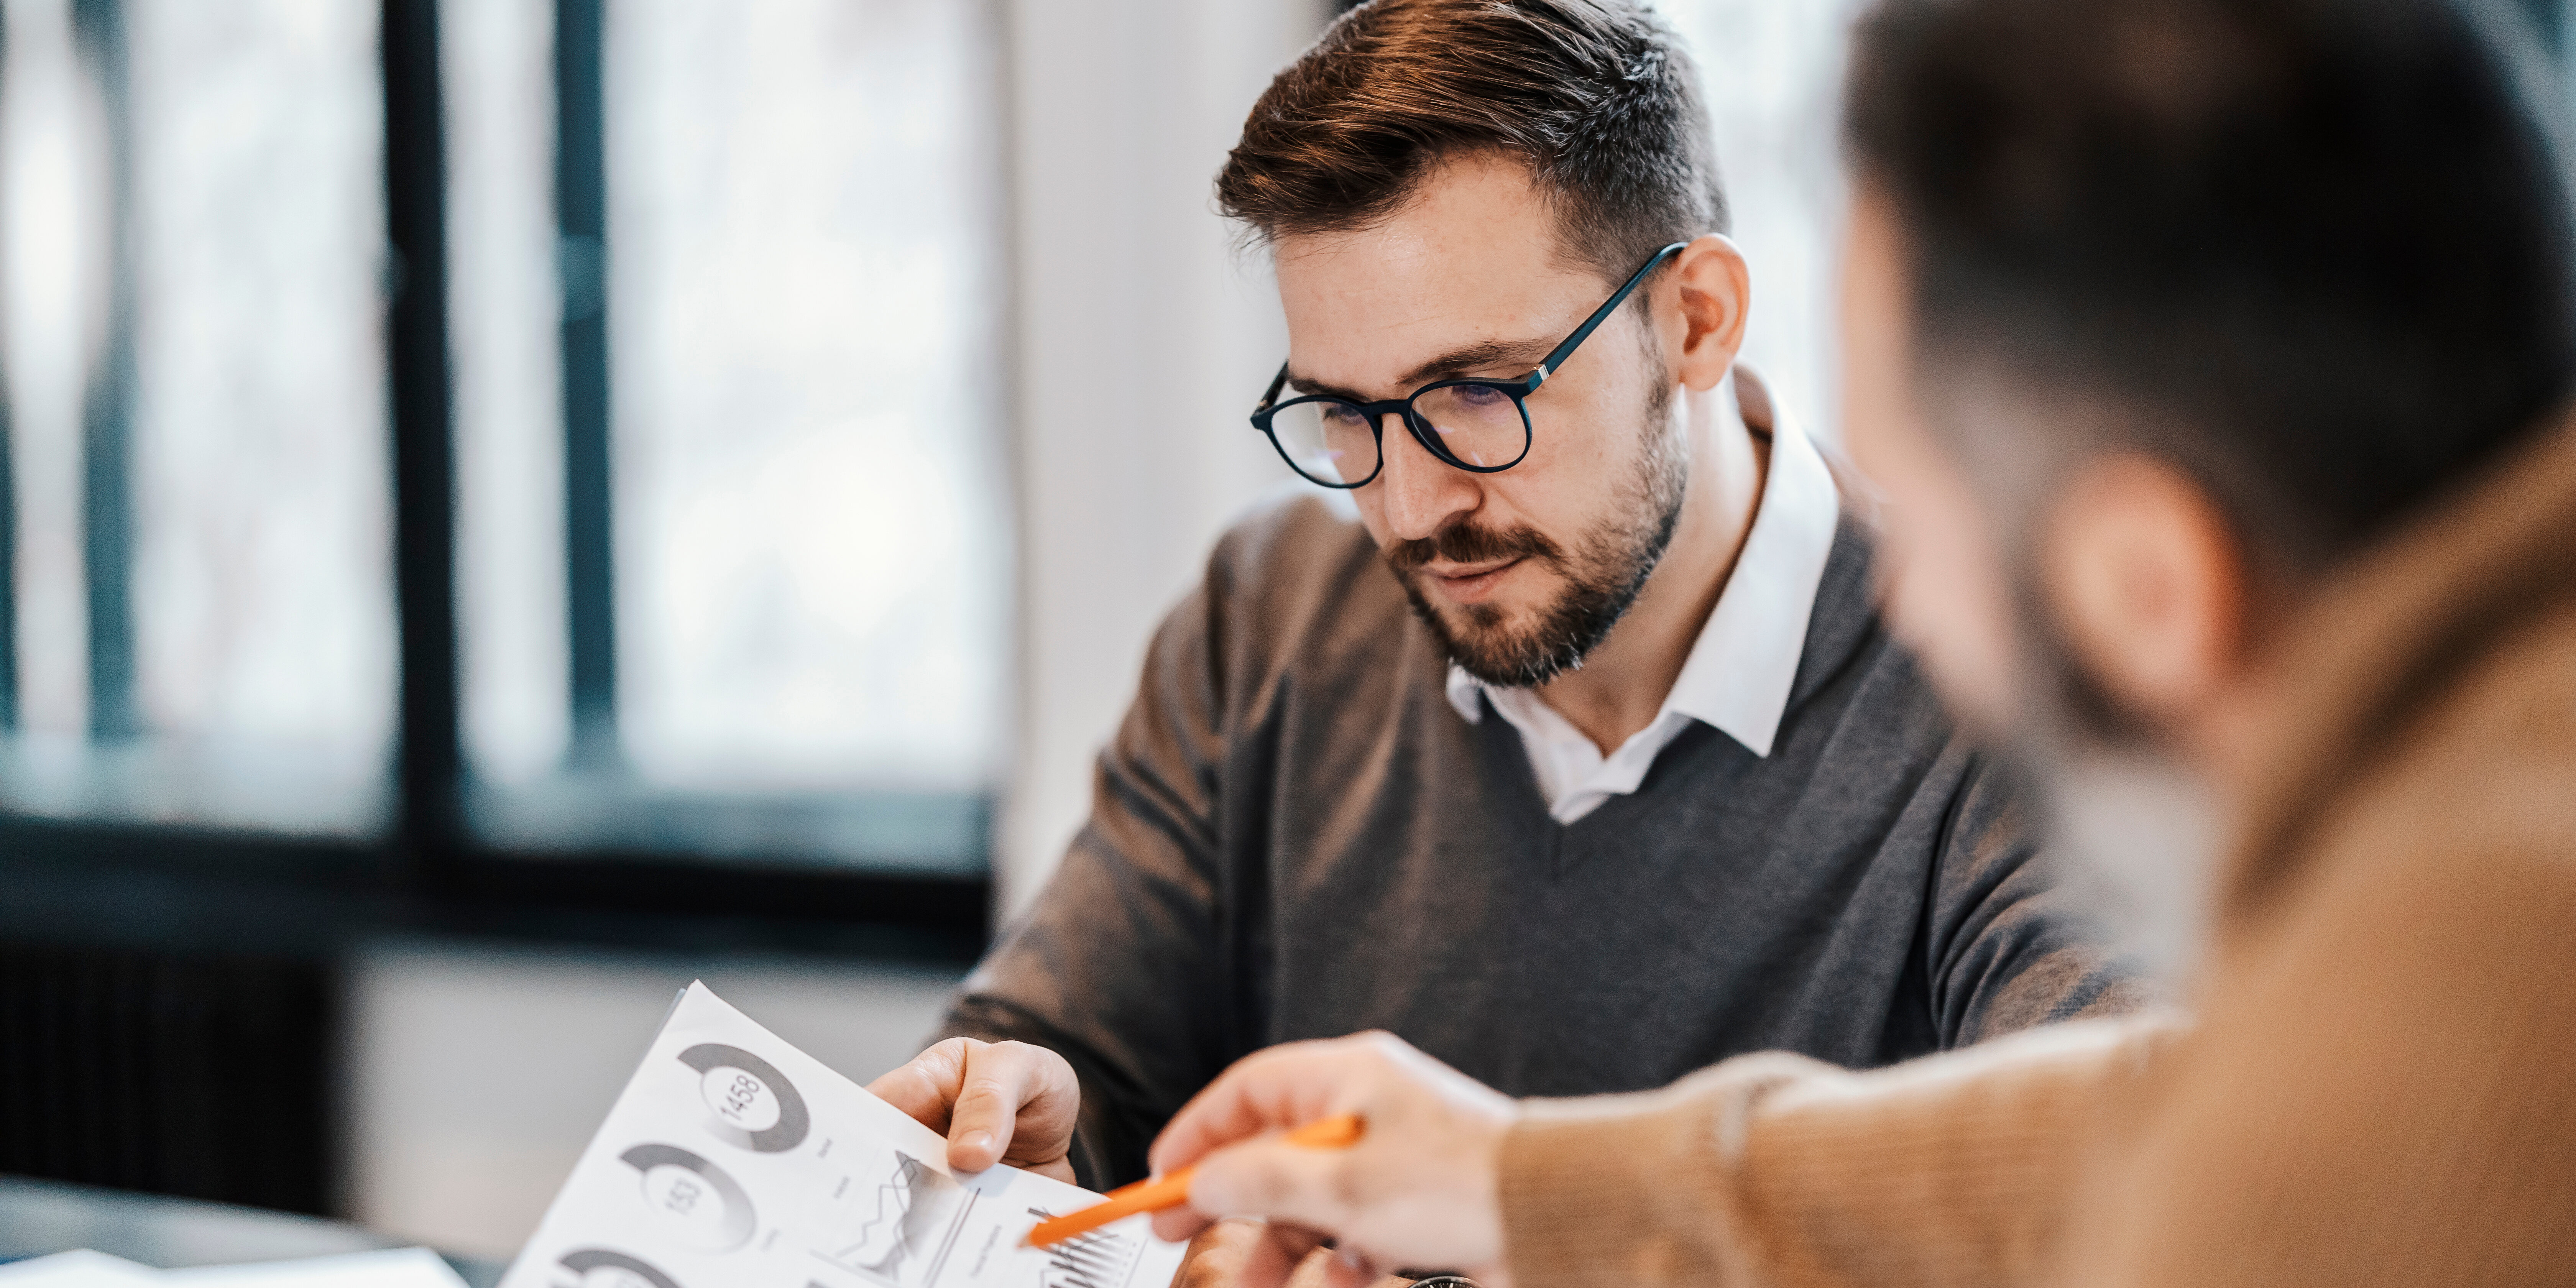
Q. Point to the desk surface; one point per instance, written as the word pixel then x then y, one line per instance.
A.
pixel 40 1217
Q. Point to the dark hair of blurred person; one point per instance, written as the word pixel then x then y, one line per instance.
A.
pixel 2314 254
pixel 2214 356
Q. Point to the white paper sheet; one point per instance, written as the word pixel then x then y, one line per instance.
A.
pixel 733 1158
pixel 79 1269
pixel 392 1268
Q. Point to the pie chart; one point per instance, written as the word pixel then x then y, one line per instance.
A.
pixel 601 1268
pixel 755 1106
pixel 694 1198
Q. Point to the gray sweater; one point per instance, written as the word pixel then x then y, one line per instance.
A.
pixel 1294 835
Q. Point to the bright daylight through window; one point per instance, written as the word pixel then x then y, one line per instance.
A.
pixel 1770 69
pixel 810 539
pixel 202 587
pixel 732 512
pixel 732 506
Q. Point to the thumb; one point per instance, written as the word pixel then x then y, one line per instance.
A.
pixel 1276 1181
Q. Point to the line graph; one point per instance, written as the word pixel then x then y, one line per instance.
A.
pixel 911 1220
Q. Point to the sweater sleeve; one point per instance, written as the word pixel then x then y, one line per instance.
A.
pixel 1956 1169
pixel 2380 1094
pixel 2005 945
pixel 1118 967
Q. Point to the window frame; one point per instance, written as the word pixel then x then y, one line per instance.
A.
pixel 428 871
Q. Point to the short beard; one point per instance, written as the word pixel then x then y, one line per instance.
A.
pixel 1604 574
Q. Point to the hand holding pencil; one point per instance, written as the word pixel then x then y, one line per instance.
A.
pixel 1162 1193
pixel 1416 1188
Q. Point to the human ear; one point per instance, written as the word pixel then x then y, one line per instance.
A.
pixel 2149 584
pixel 1713 289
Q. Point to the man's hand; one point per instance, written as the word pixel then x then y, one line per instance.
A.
pixel 997 1102
pixel 1233 1253
pixel 1229 1254
pixel 1419 1189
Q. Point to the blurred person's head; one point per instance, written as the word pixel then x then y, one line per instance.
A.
pixel 1448 189
pixel 2158 313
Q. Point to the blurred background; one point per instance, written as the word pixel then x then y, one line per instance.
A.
pixel 507 506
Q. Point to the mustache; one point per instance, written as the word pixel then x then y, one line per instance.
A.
pixel 1467 544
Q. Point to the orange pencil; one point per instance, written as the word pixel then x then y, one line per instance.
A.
pixel 1173 1190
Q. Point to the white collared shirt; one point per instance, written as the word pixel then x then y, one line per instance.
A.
pixel 1739 671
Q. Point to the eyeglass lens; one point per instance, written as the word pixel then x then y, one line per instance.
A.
pixel 1333 442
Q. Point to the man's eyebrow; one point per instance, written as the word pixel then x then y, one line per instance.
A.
pixel 1318 389
pixel 1491 353
pixel 1457 362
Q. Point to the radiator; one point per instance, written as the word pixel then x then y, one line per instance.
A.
pixel 204 1076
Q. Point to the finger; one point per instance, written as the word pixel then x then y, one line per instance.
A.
pixel 1174 1224
pixel 1050 1104
pixel 1283 1087
pixel 1295 1242
pixel 926 1087
pixel 1215 1258
pixel 1349 1269
pixel 1275 1181
pixel 997 1081
pixel 1290 1255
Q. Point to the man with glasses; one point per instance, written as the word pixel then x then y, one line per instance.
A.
pixel 1580 759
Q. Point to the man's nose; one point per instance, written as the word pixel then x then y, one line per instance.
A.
pixel 1422 492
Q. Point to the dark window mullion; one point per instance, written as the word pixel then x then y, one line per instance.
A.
pixel 422 424
pixel 107 420
pixel 581 221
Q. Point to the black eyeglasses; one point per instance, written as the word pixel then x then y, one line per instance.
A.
pixel 1482 426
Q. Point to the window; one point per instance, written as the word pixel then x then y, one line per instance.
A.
pixel 1772 71
pixel 729 517
pixel 200 597
pixel 805 573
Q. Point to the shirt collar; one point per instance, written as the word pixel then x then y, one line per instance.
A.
pixel 1739 672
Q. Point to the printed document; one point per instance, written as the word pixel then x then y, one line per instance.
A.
pixel 732 1158
pixel 392 1268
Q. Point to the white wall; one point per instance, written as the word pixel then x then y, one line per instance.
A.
pixel 476 1075
pixel 1143 343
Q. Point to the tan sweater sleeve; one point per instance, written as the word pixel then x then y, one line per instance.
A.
pixel 2388 1097
pixel 1775 1169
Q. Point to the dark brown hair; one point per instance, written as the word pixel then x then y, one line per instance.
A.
pixel 2314 251
pixel 1597 96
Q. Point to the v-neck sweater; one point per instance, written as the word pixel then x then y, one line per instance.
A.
pixel 1294 835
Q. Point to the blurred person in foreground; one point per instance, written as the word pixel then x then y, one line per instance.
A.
pixel 1578 754
pixel 2215 356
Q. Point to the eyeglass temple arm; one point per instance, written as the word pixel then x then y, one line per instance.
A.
pixel 1271 395
pixel 1557 356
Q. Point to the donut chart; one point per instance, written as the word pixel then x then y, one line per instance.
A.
pixel 583 1262
pixel 756 1108
pixel 677 1187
